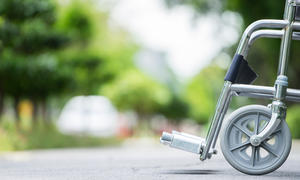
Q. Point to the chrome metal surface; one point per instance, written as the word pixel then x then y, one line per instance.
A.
pixel 278 115
pixel 296 26
pixel 285 9
pixel 183 141
pixel 293 92
pixel 265 23
pixel 212 132
pixel 278 107
pixel 281 85
pixel 244 88
pixel 267 34
pixel 226 106
pixel 268 96
pixel 295 2
pixel 263 91
pixel 256 95
pixel 286 40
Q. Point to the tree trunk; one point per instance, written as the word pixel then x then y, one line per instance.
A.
pixel 1 102
pixel 143 124
pixel 16 110
pixel 35 112
pixel 44 111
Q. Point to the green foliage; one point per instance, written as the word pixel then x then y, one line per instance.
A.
pixel 51 50
pixel 202 92
pixel 176 110
pixel 293 120
pixel 79 20
pixel 96 53
pixel 35 77
pixel 133 90
pixel 86 69
pixel 29 33
pixel 28 66
pixel 21 10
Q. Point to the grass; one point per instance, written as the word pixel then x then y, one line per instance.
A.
pixel 46 136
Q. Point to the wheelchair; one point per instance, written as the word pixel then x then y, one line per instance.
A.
pixel 254 139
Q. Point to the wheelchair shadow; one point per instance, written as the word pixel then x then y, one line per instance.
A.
pixel 276 174
pixel 285 174
pixel 192 172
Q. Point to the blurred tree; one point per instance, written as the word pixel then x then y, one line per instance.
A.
pixel 66 48
pixel 135 91
pixel 97 53
pixel 35 78
pixel 202 92
pixel 176 110
pixel 27 40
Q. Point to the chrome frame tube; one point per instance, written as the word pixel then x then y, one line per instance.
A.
pixel 286 40
pixel 243 47
pixel 278 107
pixel 266 33
pixel 265 23
pixel 296 25
pixel 294 2
pixel 267 90
pixel 268 96
pixel 243 88
pixel 220 108
pixel 270 33
pixel 226 106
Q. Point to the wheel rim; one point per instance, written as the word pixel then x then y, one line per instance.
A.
pixel 242 154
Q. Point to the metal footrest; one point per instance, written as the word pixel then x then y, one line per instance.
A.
pixel 183 141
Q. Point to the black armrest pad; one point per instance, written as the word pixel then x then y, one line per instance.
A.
pixel 297 15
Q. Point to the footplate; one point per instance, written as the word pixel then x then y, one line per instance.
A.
pixel 183 141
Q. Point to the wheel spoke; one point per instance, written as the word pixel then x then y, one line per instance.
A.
pixel 256 124
pixel 240 145
pixel 253 155
pixel 258 153
pixel 275 132
pixel 242 130
pixel 269 149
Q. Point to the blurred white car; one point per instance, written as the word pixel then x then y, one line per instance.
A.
pixel 89 115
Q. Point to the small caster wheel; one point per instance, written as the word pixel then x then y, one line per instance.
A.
pixel 241 154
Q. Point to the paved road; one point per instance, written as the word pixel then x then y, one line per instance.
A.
pixel 141 161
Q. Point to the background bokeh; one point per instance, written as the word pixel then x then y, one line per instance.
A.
pixel 157 65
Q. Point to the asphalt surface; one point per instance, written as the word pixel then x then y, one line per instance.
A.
pixel 136 159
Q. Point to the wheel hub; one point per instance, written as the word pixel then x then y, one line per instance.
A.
pixel 254 140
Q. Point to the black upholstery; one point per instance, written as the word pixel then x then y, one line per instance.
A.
pixel 297 16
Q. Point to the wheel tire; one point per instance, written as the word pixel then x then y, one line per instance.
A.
pixel 235 141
